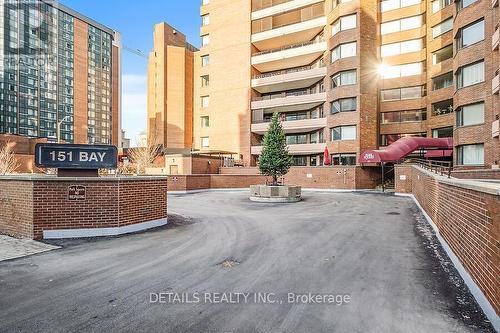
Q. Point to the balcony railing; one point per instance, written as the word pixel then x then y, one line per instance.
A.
pixel 288 94
pixel 284 120
pixel 288 71
pixel 293 46
pixel 301 15
pixel 262 4
pixel 495 40
pixel 495 83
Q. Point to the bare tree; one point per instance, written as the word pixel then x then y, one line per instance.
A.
pixel 144 157
pixel 8 160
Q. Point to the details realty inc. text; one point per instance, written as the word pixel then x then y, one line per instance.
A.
pixel 247 298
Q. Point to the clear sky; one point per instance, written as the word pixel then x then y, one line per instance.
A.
pixel 134 19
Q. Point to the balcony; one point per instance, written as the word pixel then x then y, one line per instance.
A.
pixel 288 79
pixel 494 3
pixel 495 129
pixel 289 101
pixel 296 55
pixel 292 126
pixel 495 40
pixel 262 9
pixel 495 83
pixel 289 33
pixel 299 149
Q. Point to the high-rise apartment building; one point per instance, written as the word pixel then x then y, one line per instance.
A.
pixel 349 75
pixel 59 74
pixel 171 89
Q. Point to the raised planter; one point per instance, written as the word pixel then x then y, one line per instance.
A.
pixel 275 194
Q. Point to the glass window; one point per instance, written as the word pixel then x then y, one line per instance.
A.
pixel 205 142
pixel 387 139
pixel 344 23
pixel 343 133
pixel 442 27
pixel 205 2
pixel 470 74
pixel 442 107
pixel 403 116
pixel 344 51
pixel 442 54
pixel 343 105
pixel 442 81
pixel 296 139
pixel 205 39
pixel 205 101
pixel 205 60
pixel 205 122
pixel 465 3
pixel 344 78
pixel 444 132
pixel 387 5
pixel 343 159
pixel 407 46
pixel 401 25
pixel 205 80
pixel 205 19
pixel 470 34
pixel 299 160
pixel 470 154
pixel 472 114
pixel 335 3
pixel 402 70
pixel 437 5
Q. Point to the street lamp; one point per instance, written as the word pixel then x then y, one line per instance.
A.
pixel 59 128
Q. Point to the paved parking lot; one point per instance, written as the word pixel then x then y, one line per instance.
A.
pixel 11 248
pixel 371 255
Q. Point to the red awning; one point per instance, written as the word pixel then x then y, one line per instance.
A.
pixel 439 153
pixel 403 147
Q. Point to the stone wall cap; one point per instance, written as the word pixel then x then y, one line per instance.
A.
pixel 53 178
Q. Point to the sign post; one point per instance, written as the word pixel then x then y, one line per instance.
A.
pixel 76 160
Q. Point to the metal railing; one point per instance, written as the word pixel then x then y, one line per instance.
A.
pixel 288 71
pixel 288 94
pixel 439 167
pixel 288 47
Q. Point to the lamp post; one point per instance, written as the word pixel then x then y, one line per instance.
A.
pixel 59 128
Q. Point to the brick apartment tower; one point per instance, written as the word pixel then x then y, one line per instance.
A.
pixel 170 89
pixel 77 85
pixel 348 75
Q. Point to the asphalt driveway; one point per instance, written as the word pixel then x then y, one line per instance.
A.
pixel 335 262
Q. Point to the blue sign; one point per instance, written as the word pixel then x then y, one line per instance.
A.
pixel 68 156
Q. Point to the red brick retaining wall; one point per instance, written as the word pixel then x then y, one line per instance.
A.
pixel 477 174
pixel 30 205
pixel 468 219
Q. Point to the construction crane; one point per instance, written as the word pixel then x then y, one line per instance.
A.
pixel 137 52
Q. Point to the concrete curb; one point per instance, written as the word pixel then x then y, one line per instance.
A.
pixel 473 287
pixel 326 190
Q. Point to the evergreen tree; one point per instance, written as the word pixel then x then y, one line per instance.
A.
pixel 274 160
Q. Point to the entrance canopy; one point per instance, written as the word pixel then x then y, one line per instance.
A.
pixel 403 147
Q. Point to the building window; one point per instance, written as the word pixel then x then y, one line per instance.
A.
pixel 205 80
pixel 296 139
pixel 344 78
pixel 470 34
pixel 205 60
pixel 387 139
pixel 344 159
pixel 205 2
pixel 316 137
pixel 444 132
pixel 344 23
pixel 205 142
pixel 442 27
pixel 465 3
pixel 205 122
pixel 401 25
pixel 295 116
pixel 316 160
pixel 205 39
pixel 403 116
pixel 470 154
pixel 437 5
pixel 442 81
pixel 442 54
pixel 344 51
pixel 343 105
pixel 407 46
pixel 442 107
pixel 205 20
pixel 470 74
pixel 388 5
pixel 299 160
pixel 472 114
pixel 390 72
pixel 205 101
pixel 402 93
pixel 343 133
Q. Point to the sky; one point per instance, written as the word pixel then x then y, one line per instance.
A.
pixel 135 20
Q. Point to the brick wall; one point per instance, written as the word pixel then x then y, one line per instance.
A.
pixel 41 203
pixel 477 174
pixel 468 218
